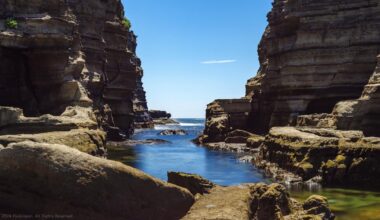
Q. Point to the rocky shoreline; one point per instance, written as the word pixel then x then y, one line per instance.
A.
pixel 312 109
pixel 70 81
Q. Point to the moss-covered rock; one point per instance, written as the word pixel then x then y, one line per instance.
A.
pixel 339 157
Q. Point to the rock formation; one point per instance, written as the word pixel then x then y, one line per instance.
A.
pixel 70 53
pixel 41 178
pixel 142 118
pixel 161 117
pixel 248 201
pixel 319 73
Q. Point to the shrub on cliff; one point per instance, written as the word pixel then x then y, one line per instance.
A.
pixel 126 23
pixel 11 23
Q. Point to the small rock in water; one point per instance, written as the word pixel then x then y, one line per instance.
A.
pixel 173 132
pixel 246 159
pixel 156 141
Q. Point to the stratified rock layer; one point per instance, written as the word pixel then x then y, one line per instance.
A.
pixel 313 54
pixel 319 72
pixel 338 157
pixel 70 53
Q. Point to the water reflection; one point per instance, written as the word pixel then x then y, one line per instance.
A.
pixel 348 204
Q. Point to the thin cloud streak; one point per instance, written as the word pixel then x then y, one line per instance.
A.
pixel 218 61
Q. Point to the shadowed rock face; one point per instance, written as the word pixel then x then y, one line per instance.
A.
pixel 66 53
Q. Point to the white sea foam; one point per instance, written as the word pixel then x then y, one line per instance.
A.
pixel 190 124
pixel 164 127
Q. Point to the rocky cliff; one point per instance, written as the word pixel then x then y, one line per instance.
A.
pixel 313 55
pixel 318 69
pixel 70 53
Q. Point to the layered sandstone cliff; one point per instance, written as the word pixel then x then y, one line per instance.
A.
pixel 70 53
pixel 313 55
pixel 320 73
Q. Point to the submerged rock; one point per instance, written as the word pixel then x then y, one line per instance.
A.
pixel 50 178
pixel 172 132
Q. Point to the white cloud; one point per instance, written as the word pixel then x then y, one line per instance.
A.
pixel 218 61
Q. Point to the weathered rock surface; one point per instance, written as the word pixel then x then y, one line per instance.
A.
pixel 161 117
pixel 46 178
pixel 223 116
pixel 320 73
pixel 194 183
pixel 237 136
pixel 70 53
pixel 256 201
pixel 157 114
pixel 313 55
pixel 317 57
pixel 339 157
pixel 75 127
pixel 142 118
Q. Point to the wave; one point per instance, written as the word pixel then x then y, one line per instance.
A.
pixel 190 124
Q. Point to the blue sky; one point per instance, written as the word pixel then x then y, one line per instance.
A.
pixel 195 51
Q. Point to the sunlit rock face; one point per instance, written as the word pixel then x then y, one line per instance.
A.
pixel 66 53
pixel 313 55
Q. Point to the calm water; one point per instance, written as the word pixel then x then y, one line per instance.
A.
pixel 224 168
pixel 182 155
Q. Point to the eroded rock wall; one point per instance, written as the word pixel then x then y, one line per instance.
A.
pixel 316 58
pixel 69 53
pixel 313 54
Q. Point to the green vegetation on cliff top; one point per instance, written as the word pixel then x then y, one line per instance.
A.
pixel 11 23
pixel 127 23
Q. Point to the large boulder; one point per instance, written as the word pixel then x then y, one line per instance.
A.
pixel 49 178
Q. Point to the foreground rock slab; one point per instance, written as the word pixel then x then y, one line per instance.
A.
pixel 258 202
pixel 223 203
pixel 51 178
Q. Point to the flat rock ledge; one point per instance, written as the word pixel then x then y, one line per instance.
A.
pixel 249 201
pixel 76 127
pixel 328 156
